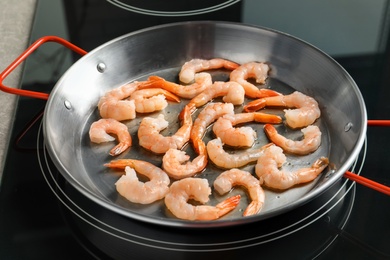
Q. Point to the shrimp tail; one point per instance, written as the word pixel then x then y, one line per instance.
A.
pixel 253 208
pixel 185 113
pixel 160 83
pixel 228 205
pixel 120 163
pixel 255 105
pixel 267 118
pixel 270 131
pixel 321 163
pixel 263 92
pixel 118 149
pixel 170 96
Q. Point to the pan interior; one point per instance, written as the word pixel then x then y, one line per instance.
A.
pixel 295 65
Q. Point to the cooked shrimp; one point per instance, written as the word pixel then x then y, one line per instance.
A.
pixel 306 112
pixel 136 191
pixel 190 68
pixel 152 99
pixel 114 103
pixel 257 70
pixel 232 92
pixel 235 177
pixel 241 136
pixel 177 164
pixel 226 160
pixel 198 189
pixel 150 138
pixel 100 130
pixel 202 81
pixel 310 142
pixel 207 116
pixel 272 158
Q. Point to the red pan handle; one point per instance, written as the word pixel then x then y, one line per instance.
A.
pixel 24 55
pixel 364 181
pixel 367 182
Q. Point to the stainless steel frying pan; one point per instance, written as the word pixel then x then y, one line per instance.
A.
pixel 161 50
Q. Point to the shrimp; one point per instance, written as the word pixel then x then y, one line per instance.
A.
pixel 150 138
pixel 177 164
pixel 151 100
pixel 257 70
pixel 310 142
pixel 241 136
pixel 114 103
pixel 136 191
pixel 226 160
pixel 202 81
pixel 272 158
pixel 306 112
pixel 234 177
pixel 198 189
pixel 99 133
pixel 207 116
pixel 190 68
pixel 232 92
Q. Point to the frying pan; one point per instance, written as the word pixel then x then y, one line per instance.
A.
pixel 161 50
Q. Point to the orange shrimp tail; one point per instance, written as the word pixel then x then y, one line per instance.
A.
pixel 228 205
pixel 267 118
pixel 152 82
pixel 253 208
pixel 184 113
pixel 118 149
pixel 157 82
pixel 186 116
pixel 170 96
pixel 270 131
pixel 120 163
pixel 321 163
pixel 262 93
pixel 255 105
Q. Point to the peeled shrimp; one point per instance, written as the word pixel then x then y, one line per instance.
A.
pixel 306 112
pixel 150 138
pixel 310 142
pixel 257 70
pixel 241 136
pixel 177 164
pixel 272 158
pixel 152 99
pixel 136 191
pixel 202 81
pixel 114 103
pixel 235 177
pixel 226 160
pixel 232 92
pixel 207 116
pixel 190 68
pixel 100 130
pixel 198 189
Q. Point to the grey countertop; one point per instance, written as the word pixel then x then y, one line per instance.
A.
pixel 16 20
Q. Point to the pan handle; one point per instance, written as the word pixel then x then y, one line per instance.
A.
pixel 367 182
pixel 24 55
pixel 364 181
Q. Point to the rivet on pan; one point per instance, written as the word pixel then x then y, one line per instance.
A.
pixel 348 127
pixel 101 67
pixel 68 105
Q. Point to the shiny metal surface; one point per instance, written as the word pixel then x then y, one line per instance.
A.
pixel 161 51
